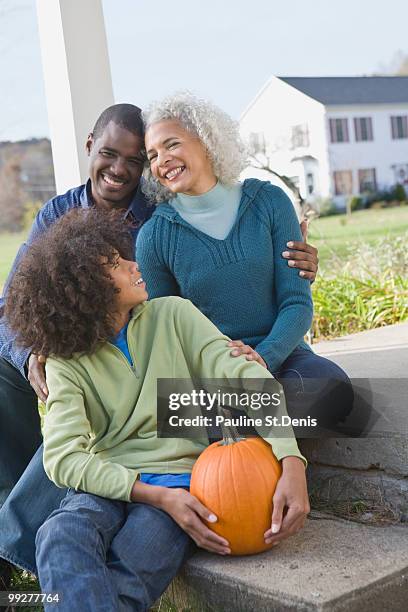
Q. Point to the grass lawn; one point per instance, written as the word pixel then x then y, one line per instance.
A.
pixel 333 235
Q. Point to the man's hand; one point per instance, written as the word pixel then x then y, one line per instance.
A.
pixel 303 256
pixel 36 376
pixel 290 502
pixel 187 511
pixel 244 349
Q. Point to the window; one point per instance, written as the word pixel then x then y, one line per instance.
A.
pixel 400 173
pixel 300 136
pixel 339 130
pixel 310 183
pixel 399 127
pixel 367 182
pixel 363 128
pixel 257 143
pixel 343 182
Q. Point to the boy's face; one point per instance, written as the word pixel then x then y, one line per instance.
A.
pixel 116 162
pixel 127 278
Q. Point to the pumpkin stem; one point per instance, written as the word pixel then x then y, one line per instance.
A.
pixel 230 433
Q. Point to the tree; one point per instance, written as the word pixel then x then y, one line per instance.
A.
pixel 398 66
pixel 12 195
pixel 260 159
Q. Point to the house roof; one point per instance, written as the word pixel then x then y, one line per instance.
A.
pixel 352 90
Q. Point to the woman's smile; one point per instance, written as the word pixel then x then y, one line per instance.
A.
pixel 174 173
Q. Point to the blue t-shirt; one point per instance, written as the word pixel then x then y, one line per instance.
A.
pixel 120 341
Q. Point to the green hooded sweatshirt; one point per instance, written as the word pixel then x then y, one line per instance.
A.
pixel 100 428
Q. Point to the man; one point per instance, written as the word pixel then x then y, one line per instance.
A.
pixel 116 158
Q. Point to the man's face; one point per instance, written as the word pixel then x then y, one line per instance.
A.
pixel 116 161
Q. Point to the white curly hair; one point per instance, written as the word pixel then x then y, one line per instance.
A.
pixel 217 131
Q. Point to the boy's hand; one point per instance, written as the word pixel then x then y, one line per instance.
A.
pixel 187 511
pixel 239 348
pixel 36 376
pixel 290 494
pixel 303 256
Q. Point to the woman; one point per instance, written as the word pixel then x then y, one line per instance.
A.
pixel 220 243
pixel 127 522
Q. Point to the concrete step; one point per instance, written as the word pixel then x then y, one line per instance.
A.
pixel 332 565
pixel 372 468
pixel 373 471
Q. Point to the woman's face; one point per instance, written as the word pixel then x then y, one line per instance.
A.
pixel 126 277
pixel 178 159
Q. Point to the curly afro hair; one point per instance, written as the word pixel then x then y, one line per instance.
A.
pixel 62 300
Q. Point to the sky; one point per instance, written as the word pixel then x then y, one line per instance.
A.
pixel 224 50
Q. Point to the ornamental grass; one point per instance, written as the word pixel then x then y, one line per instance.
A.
pixel 365 290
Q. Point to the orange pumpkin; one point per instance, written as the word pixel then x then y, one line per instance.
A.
pixel 236 479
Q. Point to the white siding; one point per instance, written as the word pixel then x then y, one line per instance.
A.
pixel 380 153
pixel 274 112
pixel 278 107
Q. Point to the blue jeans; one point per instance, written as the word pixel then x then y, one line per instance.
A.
pixel 35 496
pixel 107 555
pixel 20 433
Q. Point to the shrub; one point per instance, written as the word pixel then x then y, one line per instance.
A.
pixel 326 207
pixel 384 195
pixel 399 192
pixel 356 203
pixel 369 291
pixel 387 204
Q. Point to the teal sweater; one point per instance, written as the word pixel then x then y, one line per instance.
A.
pixel 241 283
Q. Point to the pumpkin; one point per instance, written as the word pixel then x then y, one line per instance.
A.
pixel 236 479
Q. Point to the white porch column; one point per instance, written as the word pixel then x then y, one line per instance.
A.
pixel 78 84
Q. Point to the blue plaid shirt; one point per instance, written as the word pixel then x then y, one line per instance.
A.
pixel 139 211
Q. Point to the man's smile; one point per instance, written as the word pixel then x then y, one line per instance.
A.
pixel 113 181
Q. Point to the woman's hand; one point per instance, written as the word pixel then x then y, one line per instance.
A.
pixel 36 376
pixel 304 256
pixel 290 501
pixel 188 512
pixel 244 349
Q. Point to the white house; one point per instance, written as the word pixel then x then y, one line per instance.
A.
pixel 334 136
